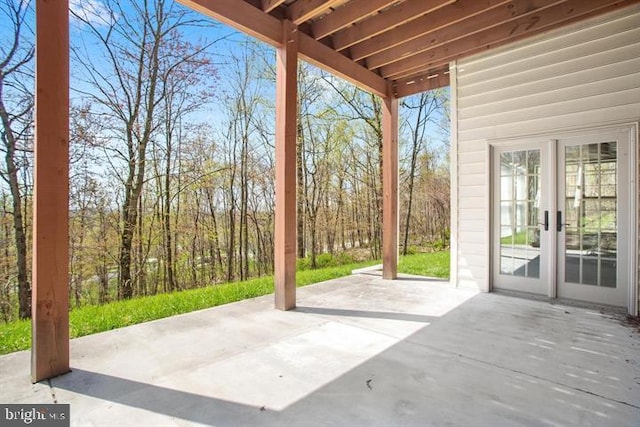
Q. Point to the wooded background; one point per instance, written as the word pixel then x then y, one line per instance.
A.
pixel 172 157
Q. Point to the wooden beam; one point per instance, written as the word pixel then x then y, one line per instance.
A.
pixel 444 17
pixel 390 185
pixel 50 271
pixel 397 15
pixel 545 20
pixel 304 10
pixel 286 132
pixel 255 22
pixel 419 84
pixel 242 16
pixel 346 15
pixel 480 22
pixel 328 59
pixel 269 5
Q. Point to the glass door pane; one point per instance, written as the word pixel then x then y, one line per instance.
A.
pixel 591 190
pixel 519 213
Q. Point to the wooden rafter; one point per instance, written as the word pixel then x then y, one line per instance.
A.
pixel 241 16
pixel 304 10
pixel 480 22
pixel 525 26
pixel 398 15
pixel 407 42
pixel 346 15
pixel 429 81
pixel 269 5
pixel 247 18
pixel 324 57
pixel 448 16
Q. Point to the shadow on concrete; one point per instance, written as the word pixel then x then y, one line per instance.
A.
pixel 366 314
pixel 174 403
pixel 491 361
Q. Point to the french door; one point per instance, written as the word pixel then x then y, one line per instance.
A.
pixel 560 208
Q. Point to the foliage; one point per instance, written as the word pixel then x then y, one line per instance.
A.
pixel 16 119
pixel 325 260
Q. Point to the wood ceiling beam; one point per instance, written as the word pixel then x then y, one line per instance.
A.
pixel 480 22
pixel 269 5
pixel 242 16
pixel 426 70
pixel 423 83
pixel 328 59
pixel 389 19
pixel 346 15
pixel 428 81
pixel 253 21
pixel 564 13
pixel 304 10
pixel 446 16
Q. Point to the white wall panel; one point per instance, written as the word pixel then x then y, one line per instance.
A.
pixel 578 77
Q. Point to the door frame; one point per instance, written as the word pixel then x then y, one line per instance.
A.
pixel 547 174
pixel 632 225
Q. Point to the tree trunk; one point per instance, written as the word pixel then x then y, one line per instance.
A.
pixel 20 234
pixel 166 219
pixel 300 190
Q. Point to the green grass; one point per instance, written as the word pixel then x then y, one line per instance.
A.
pixel 15 336
pixel 520 238
pixel 433 264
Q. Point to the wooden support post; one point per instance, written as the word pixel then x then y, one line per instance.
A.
pixel 286 133
pixel 390 186
pixel 50 301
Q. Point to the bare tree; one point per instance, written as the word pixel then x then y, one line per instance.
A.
pixel 129 85
pixel 423 109
pixel 16 113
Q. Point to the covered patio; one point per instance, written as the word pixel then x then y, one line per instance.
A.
pixel 388 47
pixel 357 351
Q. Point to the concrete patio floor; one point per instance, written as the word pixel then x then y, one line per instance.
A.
pixel 358 351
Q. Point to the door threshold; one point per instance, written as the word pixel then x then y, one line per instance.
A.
pixel 602 308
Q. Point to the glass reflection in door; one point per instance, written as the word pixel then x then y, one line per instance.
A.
pixel 590 214
pixel 519 213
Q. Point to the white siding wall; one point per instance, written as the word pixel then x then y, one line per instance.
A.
pixel 578 77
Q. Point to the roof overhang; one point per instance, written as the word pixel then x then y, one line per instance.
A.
pixel 408 43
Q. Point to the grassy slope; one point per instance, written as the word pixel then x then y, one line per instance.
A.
pixel 88 320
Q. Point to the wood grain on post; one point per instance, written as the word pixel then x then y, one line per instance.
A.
pixel 390 186
pixel 50 301
pixel 286 133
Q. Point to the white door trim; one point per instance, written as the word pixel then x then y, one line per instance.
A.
pixel 553 208
pixel 633 245
pixel 634 224
pixel 545 279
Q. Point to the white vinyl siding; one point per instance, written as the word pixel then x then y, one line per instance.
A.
pixel 579 77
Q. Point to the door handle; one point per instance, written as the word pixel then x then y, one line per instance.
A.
pixel 546 221
pixel 559 223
